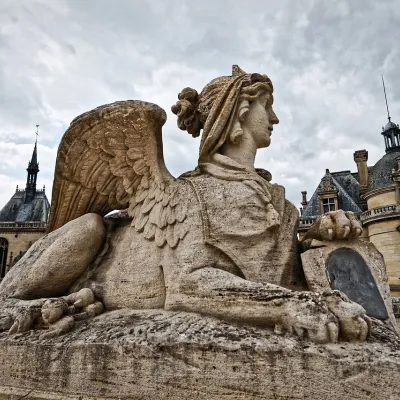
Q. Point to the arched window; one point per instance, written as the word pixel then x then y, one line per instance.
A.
pixel 3 256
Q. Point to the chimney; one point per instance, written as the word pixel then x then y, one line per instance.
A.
pixel 361 158
pixel 304 202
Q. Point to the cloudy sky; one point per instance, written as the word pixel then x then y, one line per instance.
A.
pixel 60 58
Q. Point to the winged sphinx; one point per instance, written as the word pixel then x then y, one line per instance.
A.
pixel 220 240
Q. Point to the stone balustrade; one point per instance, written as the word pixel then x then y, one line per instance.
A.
pixel 305 223
pixel 22 225
pixel 383 212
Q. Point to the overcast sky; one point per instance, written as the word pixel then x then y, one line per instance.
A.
pixel 60 58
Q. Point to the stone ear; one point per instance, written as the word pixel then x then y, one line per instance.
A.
pixel 244 108
pixel 236 133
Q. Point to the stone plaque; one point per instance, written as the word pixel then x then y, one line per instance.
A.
pixel 348 272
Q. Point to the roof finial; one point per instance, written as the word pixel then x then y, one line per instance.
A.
pixel 37 132
pixel 384 90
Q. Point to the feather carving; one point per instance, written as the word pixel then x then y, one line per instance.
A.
pixel 111 158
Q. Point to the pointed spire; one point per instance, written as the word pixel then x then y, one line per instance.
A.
pixel 384 91
pixel 33 164
pixel 33 169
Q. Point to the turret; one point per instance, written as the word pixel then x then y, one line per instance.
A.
pixel 391 131
pixel 391 134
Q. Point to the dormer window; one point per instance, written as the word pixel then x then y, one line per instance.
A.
pixel 329 204
pixel 327 194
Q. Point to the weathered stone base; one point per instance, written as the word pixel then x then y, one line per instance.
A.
pixel 170 355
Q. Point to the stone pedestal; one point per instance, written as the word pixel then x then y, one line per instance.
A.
pixel 170 355
pixel 356 268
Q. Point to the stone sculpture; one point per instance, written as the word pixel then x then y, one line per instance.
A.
pixel 219 241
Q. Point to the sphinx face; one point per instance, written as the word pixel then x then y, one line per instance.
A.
pixel 260 120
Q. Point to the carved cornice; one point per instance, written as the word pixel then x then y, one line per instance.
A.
pixel 376 192
pixel 22 227
pixel 327 193
pixel 380 213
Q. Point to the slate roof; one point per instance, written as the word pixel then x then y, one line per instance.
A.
pixel 390 125
pixel 380 175
pixel 16 210
pixel 346 182
pixel 347 185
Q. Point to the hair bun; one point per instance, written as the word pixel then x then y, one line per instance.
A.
pixel 186 108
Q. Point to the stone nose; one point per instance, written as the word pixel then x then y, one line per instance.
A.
pixel 273 118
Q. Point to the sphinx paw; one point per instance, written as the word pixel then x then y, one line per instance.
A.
pixel 335 225
pixel 24 320
pixel 58 328
pixel 354 324
pixel 317 327
pixel 84 304
pixel 82 298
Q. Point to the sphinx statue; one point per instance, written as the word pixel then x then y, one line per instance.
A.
pixel 220 240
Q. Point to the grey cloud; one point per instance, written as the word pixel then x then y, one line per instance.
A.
pixel 61 58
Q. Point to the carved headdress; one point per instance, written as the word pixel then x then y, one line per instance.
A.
pixel 216 109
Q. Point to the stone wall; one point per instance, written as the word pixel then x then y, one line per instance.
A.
pixel 382 199
pixel 19 241
pixel 364 236
pixel 176 356
pixel 386 238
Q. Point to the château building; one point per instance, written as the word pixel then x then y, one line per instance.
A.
pixel 23 219
pixel 373 194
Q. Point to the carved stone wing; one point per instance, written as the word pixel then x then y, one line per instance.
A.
pixel 112 158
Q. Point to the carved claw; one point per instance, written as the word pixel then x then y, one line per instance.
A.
pixel 14 328
pixel 300 332
pixel 364 330
pixel 64 325
pixel 94 309
pixel 21 324
pixel 24 321
pixel 335 225
pixel 333 332
pixel 82 298
pixel 353 322
pixel 85 297
pixel 278 329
